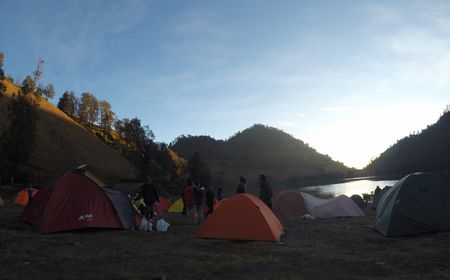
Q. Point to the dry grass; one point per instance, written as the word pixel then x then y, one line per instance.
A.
pixel 321 249
pixel 61 144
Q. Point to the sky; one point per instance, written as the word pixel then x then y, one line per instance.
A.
pixel 349 78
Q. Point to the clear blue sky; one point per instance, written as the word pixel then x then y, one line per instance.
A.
pixel 350 78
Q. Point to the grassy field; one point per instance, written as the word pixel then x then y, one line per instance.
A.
pixel 321 249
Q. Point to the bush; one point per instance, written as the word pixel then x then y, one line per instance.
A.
pixel 368 197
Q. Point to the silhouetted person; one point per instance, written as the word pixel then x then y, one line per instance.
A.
pixel 199 198
pixel 242 185
pixel 377 190
pixel 209 202
pixel 30 194
pixel 265 191
pixel 188 183
pixel 219 194
pixel 188 200
pixel 150 194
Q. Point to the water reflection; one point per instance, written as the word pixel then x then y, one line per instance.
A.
pixel 349 188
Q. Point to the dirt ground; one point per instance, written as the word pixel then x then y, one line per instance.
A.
pixel 344 248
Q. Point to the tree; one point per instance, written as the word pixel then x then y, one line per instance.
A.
pixel 2 75
pixel 41 90
pixel 39 70
pixel 88 108
pixel 49 91
pixel 68 103
pixel 106 115
pixel 137 137
pixel 28 86
pixel 18 139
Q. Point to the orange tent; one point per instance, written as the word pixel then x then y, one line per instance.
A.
pixel 163 205
pixel 242 217
pixel 289 205
pixel 22 196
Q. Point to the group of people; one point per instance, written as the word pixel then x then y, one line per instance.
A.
pixel 199 201
pixel 265 191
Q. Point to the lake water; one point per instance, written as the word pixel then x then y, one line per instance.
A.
pixel 349 187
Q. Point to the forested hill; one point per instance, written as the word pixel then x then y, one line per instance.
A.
pixel 61 143
pixel 259 150
pixel 428 150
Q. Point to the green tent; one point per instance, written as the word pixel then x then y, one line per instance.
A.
pixel 419 202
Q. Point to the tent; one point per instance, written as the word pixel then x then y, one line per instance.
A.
pixel 89 172
pixel 163 205
pixel 74 201
pixel 289 205
pixel 177 206
pixel 22 196
pixel 417 203
pixel 341 206
pixel 378 197
pixel 358 200
pixel 242 217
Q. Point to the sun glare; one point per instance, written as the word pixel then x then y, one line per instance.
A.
pixel 365 134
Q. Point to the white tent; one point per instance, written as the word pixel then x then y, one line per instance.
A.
pixel 341 206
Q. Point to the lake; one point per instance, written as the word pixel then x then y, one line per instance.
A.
pixel 349 187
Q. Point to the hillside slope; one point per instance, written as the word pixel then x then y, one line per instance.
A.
pixel 259 150
pixel 61 144
pixel 428 150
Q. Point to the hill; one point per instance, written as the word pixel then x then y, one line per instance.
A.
pixel 259 150
pixel 428 150
pixel 62 143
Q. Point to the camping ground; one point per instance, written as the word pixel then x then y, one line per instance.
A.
pixel 322 249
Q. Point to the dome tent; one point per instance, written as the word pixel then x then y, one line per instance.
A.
pixel 22 196
pixel 417 203
pixel 289 205
pixel 340 206
pixel 163 205
pixel 242 217
pixel 75 201
pixel 176 207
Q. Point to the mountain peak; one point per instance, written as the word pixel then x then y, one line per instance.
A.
pixel 259 149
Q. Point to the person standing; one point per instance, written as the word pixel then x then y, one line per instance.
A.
pixel 188 201
pixel 199 198
pixel 265 191
pixel 219 194
pixel 150 194
pixel 209 202
pixel 242 185
pixel 377 190
pixel 30 193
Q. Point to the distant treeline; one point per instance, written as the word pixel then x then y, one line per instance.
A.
pixel 260 150
pixel 428 150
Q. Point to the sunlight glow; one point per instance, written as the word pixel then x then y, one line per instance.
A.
pixel 367 133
